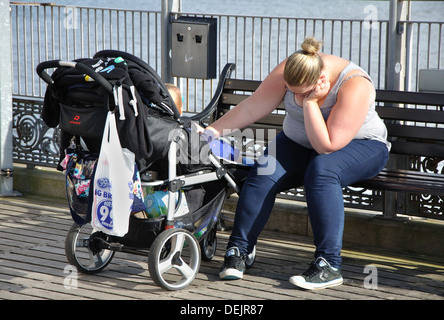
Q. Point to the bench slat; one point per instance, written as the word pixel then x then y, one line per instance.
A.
pixel 399 173
pixel 406 97
pixel 242 85
pixel 401 185
pixel 398 130
pixel 417 149
pixel 417 115
pixel 404 180
pixel 232 99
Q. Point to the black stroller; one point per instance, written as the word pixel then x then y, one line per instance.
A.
pixel 77 99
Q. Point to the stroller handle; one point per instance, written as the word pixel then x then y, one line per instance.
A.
pixel 41 71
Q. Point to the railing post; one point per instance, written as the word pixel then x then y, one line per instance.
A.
pixel 396 66
pixel 6 162
pixel 168 6
pixel 396 45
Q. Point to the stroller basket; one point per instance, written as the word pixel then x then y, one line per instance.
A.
pixel 142 232
pixel 201 219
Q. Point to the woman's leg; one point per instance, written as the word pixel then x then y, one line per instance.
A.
pixel 324 179
pixel 282 166
pixel 285 167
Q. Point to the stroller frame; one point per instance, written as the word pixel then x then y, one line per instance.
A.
pixel 176 182
pixel 173 248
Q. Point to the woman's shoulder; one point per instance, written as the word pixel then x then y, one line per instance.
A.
pixel 333 60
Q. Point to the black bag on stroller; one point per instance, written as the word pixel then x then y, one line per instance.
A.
pixel 79 104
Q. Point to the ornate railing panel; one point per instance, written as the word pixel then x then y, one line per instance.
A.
pixel 34 142
pixel 424 205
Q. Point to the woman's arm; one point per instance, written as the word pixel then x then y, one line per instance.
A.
pixel 346 118
pixel 264 100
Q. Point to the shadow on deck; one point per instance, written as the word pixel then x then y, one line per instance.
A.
pixel 33 266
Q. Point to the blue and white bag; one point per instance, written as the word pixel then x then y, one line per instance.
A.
pixel 113 183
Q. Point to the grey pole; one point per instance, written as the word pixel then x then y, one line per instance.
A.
pixel 396 66
pixel 6 163
pixel 396 45
pixel 167 6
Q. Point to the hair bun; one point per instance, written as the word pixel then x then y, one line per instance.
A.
pixel 311 45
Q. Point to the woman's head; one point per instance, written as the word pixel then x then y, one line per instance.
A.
pixel 303 68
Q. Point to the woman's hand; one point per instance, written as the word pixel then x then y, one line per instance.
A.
pixel 208 133
pixel 320 90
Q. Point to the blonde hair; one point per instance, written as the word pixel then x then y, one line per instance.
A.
pixel 176 95
pixel 304 66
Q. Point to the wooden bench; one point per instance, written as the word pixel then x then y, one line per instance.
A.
pixel 412 132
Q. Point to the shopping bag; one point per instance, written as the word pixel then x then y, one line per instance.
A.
pixel 113 183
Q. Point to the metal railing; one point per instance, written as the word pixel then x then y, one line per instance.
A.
pixel 46 32
pixel 255 43
pixel 424 49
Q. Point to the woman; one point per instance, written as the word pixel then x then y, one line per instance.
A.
pixel 331 138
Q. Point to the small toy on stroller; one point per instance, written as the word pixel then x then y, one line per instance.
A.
pixel 79 95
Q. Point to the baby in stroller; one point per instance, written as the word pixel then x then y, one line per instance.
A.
pixel 80 93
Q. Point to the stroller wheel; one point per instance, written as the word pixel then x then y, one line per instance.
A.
pixel 251 258
pixel 82 249
pixel 174 259
pixel 209 244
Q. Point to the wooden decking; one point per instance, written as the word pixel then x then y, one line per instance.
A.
pixel 32 266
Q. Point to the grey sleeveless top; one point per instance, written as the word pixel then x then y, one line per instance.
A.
pixel 373 127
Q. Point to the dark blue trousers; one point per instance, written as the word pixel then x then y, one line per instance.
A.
pixel 285 165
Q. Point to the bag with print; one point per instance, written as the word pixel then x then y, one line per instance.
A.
pixel 113 183
pixel 79 166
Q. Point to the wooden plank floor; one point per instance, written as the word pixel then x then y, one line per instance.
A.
pixel 32 266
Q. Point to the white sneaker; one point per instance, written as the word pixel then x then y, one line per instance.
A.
pixel 319 275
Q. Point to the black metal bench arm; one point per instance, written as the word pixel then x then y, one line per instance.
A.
pixel 211 109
